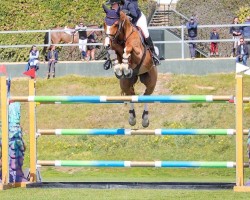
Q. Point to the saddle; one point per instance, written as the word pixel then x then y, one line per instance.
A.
pixel 142 36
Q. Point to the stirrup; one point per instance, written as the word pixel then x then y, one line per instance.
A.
pixel 156 60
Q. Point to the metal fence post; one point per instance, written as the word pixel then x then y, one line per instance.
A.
pixel 182 41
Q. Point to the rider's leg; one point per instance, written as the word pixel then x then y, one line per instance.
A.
pixel 152 49
pixel 142 23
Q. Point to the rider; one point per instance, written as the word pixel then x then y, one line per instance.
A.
pixel 130 7
pixel 81 29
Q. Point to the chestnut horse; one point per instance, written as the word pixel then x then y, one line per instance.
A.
pixel 68 35
pixel 131 59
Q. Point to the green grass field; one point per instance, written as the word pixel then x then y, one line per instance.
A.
pixel 121 194
pixel 193 148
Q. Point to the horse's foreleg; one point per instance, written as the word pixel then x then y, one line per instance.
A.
pixel 115 63
pixel 132 117
pixel 124 66
pixel 145 119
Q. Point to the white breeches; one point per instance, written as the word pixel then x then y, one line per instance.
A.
pixel 142 23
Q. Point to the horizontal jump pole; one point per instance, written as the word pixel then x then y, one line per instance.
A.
pixel 122 99
pixel 139 132
pixel 162 164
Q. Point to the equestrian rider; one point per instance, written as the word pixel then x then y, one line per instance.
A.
pixel 130 7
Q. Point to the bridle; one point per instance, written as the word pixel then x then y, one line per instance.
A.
pixel 113 37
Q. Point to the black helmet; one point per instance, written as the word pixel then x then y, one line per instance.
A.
pixel 110 2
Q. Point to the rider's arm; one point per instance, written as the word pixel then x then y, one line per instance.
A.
pixel 132 10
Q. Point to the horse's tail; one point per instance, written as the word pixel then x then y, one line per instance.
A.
pixel 46 41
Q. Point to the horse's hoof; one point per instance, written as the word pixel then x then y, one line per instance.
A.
pixel 119 76
pixel 145 123
pixel 130 74
pixel 132 121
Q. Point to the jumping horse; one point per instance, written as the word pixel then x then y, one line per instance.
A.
pixel 68 35
pixel 130 57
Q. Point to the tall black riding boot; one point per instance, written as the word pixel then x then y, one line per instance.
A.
pixel 152 49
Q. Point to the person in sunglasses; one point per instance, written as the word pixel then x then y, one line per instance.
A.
pixel 242 52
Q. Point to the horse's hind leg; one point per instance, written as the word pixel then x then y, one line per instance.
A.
pixel 127 87
pixel 149 80
pixel 132 116
pixel 145 119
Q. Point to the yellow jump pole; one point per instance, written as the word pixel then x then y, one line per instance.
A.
pixel 32 107
pixel 5 135
pixel 239 137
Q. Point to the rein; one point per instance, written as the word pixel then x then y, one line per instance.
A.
pixel 114 37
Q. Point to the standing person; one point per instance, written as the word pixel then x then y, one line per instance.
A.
pixel 246 31
pixel 91 48
pixel 33 58
pixel 81 29
pixel 214 45
pixel 192 34
pixel 236 32
pixel 130 7
pixel 242 52
pixel 52 57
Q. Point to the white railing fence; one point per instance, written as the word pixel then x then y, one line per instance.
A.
pixel 182 41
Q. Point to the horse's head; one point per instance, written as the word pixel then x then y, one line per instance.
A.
pixel 116 25
pixel 111 23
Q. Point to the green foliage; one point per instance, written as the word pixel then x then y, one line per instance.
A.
pixel 243 13
pixel 44 15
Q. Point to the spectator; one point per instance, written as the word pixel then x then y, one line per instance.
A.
pixel 242 52
pixel 192 34
pixel 33 59
pixel 214 45
pixel 52 58
pixel 91 48
pixel 246 31
pixel 81 29
pixel 236 31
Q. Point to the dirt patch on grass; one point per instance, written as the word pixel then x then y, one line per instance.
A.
pixel 204 87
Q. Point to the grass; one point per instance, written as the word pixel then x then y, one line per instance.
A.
pixel 195 148
pixel 121 194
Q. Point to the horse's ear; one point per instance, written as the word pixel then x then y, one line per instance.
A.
pixel 105 8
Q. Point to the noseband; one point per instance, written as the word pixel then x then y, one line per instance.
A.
pixel 113 37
